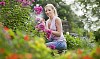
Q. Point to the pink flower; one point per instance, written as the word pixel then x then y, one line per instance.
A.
pixel 29 2
pixel 2 3
pixel 38 9
pixel 52 46
pixel 41 26
pixel 19 1
pixel 33 0
pixel 37 19
pixel 25 2
pixel 48 33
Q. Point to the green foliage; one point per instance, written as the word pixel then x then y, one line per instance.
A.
pixel 22 44
pixel 97 36
pixel 72 43
pixel 76 42
pixel 81 54
pixel 15 16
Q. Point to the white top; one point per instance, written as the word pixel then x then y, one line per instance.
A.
pixel 53 27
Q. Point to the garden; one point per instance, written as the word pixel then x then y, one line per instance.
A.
pixel 20 38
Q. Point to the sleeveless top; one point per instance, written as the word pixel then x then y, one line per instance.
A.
pixel 53 27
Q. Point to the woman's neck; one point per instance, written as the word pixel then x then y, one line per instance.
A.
pixel 51 17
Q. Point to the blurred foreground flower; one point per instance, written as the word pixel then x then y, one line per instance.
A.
pixel 6 28
pixel 2 50
pixel 52 46
pixel 79 51
pixel 12 56
pixel 26 37
pixel 28 56
pixel 98 50
pixel 87 57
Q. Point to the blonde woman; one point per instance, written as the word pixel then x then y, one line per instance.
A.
pixel 56 40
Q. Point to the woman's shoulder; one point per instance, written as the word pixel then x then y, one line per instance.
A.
pixel 57 19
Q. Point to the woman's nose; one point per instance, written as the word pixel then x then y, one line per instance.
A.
pixel 47 11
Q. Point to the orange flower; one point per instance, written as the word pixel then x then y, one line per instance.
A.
pixel 6 28
pixel 79 51
pixel 12 56
pixel 69 56
pixel 87 57
pixel 2 50
pixel 20 56
pixel 98 50
pixel 28 56
pixel 26 37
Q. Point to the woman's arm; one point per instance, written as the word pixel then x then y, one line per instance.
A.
pixel 58 24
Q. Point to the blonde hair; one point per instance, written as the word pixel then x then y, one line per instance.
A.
pixel 52 6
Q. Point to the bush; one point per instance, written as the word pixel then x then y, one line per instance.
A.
pixel 15 16
pixel 76 42
pixel 22 45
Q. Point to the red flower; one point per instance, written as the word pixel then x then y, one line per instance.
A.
pixel 98 50
pixel 26 37
pixel 79 51
pixel 87 57
pixel 6 28
pixel 69 57
pixel 28 56
pixel 2 50
pixel 12 56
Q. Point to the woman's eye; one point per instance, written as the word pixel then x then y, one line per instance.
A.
pixel 49 10
pixel 46 11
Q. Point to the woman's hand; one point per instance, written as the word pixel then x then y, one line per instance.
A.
pixel 48 33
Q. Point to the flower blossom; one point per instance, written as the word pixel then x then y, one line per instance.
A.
pixel 38 9
pixel 26 37
pixel 48 33
pixel 2 3
pixel 12 56
pixel 52 46
pixel 37 19
pixel 6 28
pixel 41 26
pixel 25 2
pixel 87 57
pixel 33 0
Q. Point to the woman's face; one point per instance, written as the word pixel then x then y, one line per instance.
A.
pixel 49 11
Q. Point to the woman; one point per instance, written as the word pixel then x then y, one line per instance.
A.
pixel 56 40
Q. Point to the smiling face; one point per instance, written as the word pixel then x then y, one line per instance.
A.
pixel 49 11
